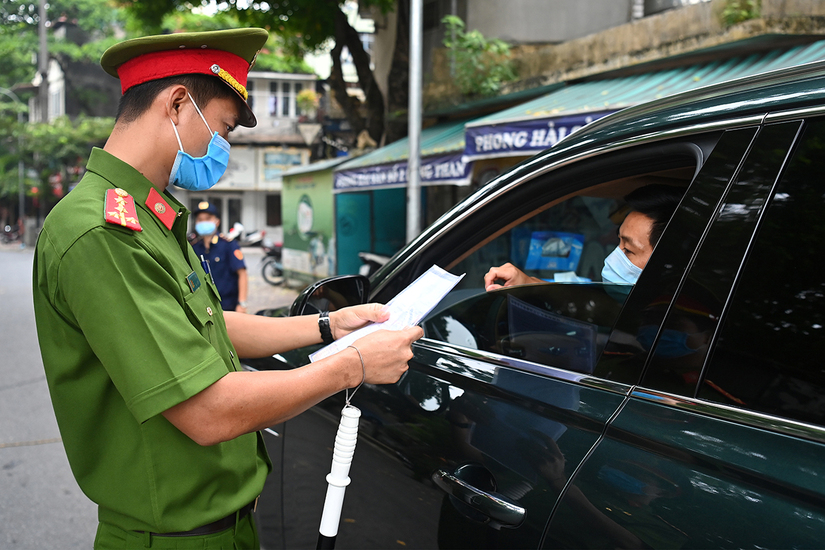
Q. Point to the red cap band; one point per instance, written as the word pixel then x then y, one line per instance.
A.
pixel 155 65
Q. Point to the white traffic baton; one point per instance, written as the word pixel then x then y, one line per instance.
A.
pixel 338 477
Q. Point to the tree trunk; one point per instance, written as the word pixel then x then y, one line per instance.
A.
pixel 399 78
pixel 350 104
pixel 373 105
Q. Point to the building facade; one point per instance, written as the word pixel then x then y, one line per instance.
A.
pixel 249 193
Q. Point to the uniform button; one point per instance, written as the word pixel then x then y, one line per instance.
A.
pixel 217 259
pixel 209 311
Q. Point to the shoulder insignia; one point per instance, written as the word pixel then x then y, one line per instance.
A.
pixel 160 208
pixel 120 209
pixel 238 254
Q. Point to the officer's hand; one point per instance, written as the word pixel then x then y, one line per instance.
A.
pixel 240 309
pixel 347 319
pixel 386 353
pixel 509 274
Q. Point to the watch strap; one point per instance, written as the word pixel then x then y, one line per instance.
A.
pixel 323 326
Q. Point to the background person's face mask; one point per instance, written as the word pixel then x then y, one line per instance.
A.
pixel 619 269
pixel 201 173
pixel 205 228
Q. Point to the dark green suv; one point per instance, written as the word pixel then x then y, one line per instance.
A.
pixel 565 414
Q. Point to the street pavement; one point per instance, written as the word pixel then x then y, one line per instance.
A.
pixel 41 505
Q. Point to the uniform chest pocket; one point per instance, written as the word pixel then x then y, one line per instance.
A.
pixel 201 312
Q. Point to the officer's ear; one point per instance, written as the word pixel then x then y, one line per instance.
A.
pixel 175 97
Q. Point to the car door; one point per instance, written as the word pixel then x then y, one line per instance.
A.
pixel 721 442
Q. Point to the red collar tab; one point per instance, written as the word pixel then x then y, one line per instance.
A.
pixel 161 209
pixel 120 209
pixel 154 65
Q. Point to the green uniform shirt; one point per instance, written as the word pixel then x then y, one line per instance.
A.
pixel 129 325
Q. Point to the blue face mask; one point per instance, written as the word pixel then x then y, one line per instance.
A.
pixel 201 173
pixel 619 269
pixel 205 228
pixel 672 343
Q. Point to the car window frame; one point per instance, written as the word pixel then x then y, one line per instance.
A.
pixel 699 145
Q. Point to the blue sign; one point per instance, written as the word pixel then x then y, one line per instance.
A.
pixel 446 169
pixel 546 250
pixel 522 137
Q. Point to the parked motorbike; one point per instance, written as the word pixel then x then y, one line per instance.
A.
pixel 11 233
pixel 246 238
pixel 272 269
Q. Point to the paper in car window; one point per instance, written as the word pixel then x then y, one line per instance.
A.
pixel 408 308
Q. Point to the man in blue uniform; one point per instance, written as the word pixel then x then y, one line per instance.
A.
pixel 224 258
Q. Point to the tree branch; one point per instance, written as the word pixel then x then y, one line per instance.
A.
pixel 374 99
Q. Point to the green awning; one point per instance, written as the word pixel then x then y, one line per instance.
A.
pixel 319 166
pixel 538 124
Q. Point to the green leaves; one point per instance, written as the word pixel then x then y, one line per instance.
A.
pixel 736 11
pixel 482 65
pixel 46 148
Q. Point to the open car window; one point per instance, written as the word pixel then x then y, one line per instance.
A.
pixel 566 321
pixel 569 239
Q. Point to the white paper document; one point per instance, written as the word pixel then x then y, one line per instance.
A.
pixel 408 308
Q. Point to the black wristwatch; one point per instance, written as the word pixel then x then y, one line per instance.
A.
pixel 323 326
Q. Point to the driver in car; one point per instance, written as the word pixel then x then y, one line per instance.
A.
pixel 650 209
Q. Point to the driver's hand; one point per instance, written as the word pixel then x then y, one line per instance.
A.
pixel 509 274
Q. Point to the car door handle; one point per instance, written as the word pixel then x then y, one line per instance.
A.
pixel 498 508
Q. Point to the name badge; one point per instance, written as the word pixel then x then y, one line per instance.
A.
pixel 194 281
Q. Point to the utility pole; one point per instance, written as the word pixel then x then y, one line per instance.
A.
pixel 453 12
pixel 43 65
pixel 414 124
pixel 21 189
pixel 42 94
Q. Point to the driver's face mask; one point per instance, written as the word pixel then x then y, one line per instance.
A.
pixel 619 269
pixel 201 173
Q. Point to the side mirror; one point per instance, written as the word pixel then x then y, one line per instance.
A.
pixel 331 294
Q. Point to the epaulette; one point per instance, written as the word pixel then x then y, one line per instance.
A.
pixel 120 209
pixel 160 208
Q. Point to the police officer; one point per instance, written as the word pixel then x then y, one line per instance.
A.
pixel 159 421
pixel 223 258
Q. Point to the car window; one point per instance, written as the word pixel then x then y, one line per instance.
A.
pixel 679 349
pixel 768 356
pixel 565 322
pixel 571 238
pixel 563 326
pixel 558 221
